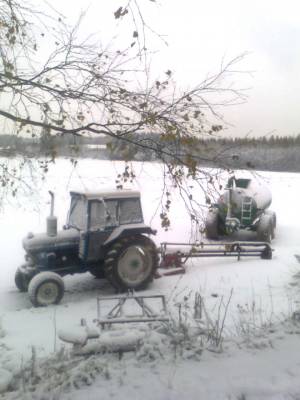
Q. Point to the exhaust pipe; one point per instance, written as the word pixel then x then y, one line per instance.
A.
pixel 51 220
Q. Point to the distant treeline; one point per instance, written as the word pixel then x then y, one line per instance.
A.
pixel 273 153
pixel 56 146
pixel 271 140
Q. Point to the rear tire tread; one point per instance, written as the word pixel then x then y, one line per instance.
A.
pixel 110 263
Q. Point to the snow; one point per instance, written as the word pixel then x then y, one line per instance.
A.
pixel 96 146
pixel 114 341
pixel 74 336
pixel 259 358
pixel 78 335
pixel 5 379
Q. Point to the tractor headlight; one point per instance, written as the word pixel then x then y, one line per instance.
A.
pixel 29 260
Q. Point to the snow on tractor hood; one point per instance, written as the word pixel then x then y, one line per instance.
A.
pixel 41 241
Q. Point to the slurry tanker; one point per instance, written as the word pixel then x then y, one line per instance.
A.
pixel 243 205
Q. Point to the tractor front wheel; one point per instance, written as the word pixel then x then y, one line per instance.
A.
pixel 46 288
pixel 131 262
pixel 21 280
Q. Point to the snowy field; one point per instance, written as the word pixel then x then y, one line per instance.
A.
pixel 260 357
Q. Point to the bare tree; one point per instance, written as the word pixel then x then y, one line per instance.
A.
pixel 80 87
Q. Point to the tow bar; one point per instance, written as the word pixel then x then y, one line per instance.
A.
pixel 174 259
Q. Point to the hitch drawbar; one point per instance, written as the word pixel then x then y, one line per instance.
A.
pixel 174 259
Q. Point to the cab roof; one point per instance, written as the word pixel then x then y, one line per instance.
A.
pixel 113 194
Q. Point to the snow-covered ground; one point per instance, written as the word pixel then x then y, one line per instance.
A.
pixel 257 362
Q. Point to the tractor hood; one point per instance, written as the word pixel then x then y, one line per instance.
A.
pixel 44 242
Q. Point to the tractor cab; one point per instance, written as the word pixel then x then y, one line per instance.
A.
pixel 99 216
pixel 104 210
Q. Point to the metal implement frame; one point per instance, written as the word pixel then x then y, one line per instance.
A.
pixel 117 315
pixel 225 249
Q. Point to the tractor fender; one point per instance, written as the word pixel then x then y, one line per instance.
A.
pixel 130 229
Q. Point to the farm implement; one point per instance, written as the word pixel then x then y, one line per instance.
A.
pixel 175 255
pixel 128 310
pixel 105 234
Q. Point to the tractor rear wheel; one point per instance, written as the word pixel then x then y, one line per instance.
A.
pixel 131 262
pixel 46 288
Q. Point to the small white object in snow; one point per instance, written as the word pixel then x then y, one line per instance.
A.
pixel 92 333
pixel 5 379
pixel 78 334
pixel 114 341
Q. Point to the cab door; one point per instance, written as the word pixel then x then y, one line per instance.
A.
pixel 102 220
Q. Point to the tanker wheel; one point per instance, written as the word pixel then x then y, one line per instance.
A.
pixel 131 263
pixel 265 229
pixel 212 228
pixel 272 231
pixel 21 280
pixel 46 288
pixel 274 222
pixel 272 215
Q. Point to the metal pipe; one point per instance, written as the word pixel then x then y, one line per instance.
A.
pixel 51 220
pixel 52 203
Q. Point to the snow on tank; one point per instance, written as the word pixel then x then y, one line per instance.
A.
pixel 245 187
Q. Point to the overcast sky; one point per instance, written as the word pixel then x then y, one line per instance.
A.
pixel 200 33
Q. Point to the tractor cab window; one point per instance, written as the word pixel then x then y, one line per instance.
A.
pixel 130 211
pixel 78 213
pixel 104 214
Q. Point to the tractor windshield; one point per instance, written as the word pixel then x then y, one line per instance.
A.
pixel 78 213
pixel 110 213
pixel 104 214
pixel 130 211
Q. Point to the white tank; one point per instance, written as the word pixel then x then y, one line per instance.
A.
pixel 247 188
